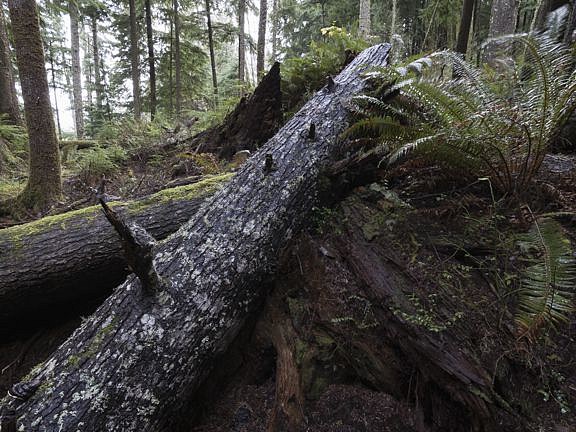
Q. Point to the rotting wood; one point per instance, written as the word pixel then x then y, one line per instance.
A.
pixel 133 364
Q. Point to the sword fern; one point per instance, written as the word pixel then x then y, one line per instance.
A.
pixel 546 295
pixel 497 125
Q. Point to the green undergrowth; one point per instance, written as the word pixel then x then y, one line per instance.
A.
pixel 304 75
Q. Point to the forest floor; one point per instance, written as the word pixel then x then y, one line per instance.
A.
pixel 411 256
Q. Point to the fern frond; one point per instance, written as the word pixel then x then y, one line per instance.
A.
pixel 546 296
pixel 377 127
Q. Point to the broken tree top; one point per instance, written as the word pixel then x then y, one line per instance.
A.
pixel 135 362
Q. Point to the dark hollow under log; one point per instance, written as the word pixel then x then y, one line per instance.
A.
pixel 135 362
pixel 70 262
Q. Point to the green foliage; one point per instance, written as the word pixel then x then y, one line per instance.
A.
pixel 546 296
pixel 13 143
pixel 304 75
pixel 212 117
pixel 494 124
pixel 91 164
pixel 131 134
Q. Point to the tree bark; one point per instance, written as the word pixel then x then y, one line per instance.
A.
pixel 9 99
pixel 241 44
pixel 211 48
pixel 364 19
pixel 53 79
pixel 177 60
pixel 135 59
pixel 88 66
pixel 133 365
pixel 274 30
pixel 44 182
pixel 261 51
pixel 151 61
pixel 76 69
pixel 464 31
pixel 502 22
pixel 502 18
pixel 76 257
pixel 96 56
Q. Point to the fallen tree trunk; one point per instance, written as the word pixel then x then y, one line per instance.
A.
pixel 133 364
pixel 68 261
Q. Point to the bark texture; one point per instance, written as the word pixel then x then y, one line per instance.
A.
pixel 135 59
pixel 44 182
pixel 8 98
pixel 74 258
pixel 502 22
pixel 274 29
pixel 211 48
pixel 364 19
pixel 464 30
pixel 241 42
pixel 261 49
pixel 254 120
pixel 133 364
pixel 52 62
pixel 76 70
pixel 177 59
pixel 151 61
pixel 502 18
pixel 96 56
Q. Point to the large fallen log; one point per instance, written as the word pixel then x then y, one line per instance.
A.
pixel 134 363
pixel 67 262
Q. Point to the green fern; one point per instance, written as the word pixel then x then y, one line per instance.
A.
pixel 495 124
pixel 546 296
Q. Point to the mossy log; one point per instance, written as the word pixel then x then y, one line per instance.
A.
pixel 67 262
pixel 133 365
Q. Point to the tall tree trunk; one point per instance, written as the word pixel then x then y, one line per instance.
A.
pixel 133 365
pixel 44 182
pixel 104 89
pixel 53 76
pixel 177 60
pixel 274 29
pixel 151 61
pixel 88 66
pixel 171 67
pixel 241 44
pixel 261 39
pixel 96 56
pixel 76 69
pixel 464 31
pixel 393 20
pixel 135 59
pixel 9 98
pixel 211 48
pixel 502 22
pixel 364 19
pixel 502 18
